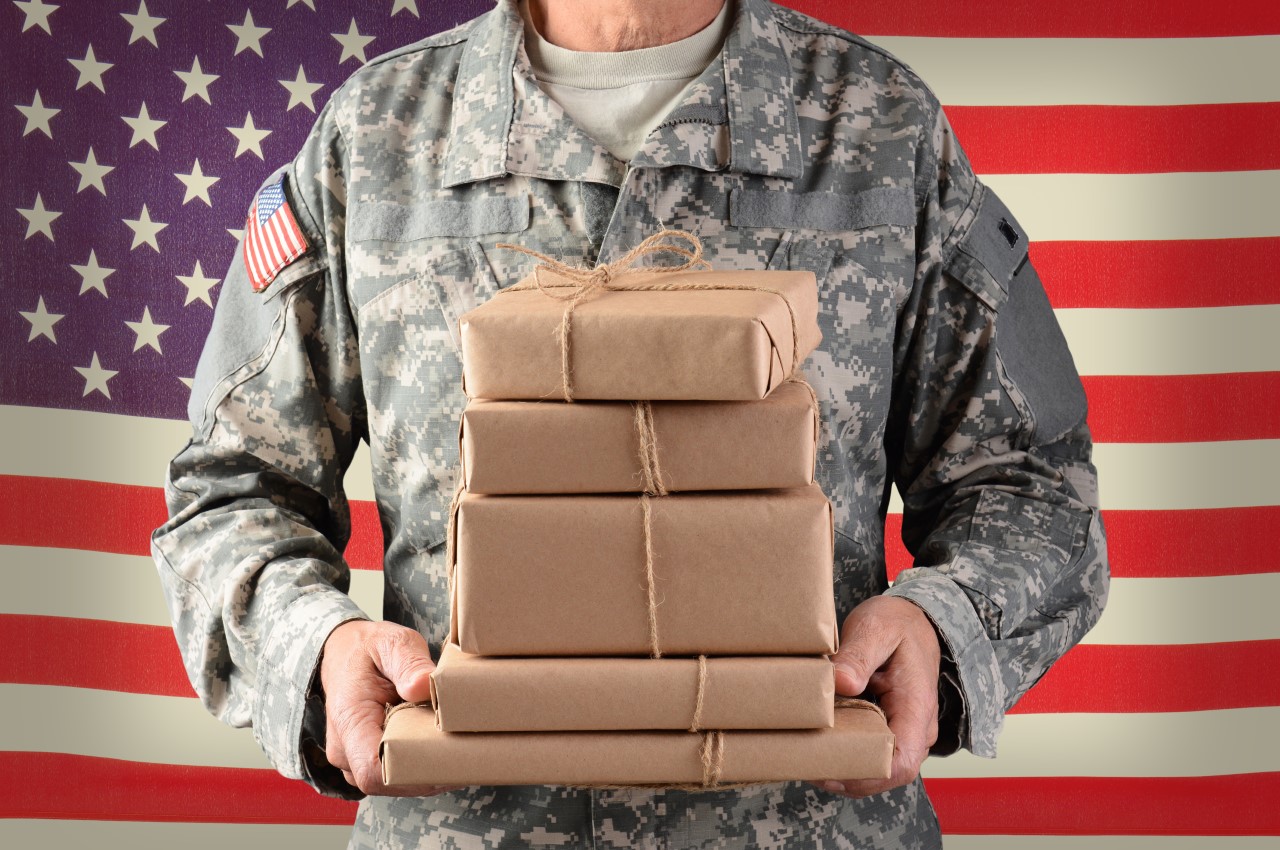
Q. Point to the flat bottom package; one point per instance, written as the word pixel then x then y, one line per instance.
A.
pixel 415 752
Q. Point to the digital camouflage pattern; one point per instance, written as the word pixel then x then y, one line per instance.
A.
pixel 806 147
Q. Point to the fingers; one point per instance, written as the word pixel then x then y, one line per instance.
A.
pixel 889 647
pixel 365 666
pixel 867 639
pixel 403 658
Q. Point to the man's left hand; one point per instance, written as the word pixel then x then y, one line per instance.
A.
pixel 889 647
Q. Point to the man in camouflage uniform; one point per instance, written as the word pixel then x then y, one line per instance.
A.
pixel 941 369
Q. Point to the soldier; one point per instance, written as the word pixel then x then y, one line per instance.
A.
pixel 784 143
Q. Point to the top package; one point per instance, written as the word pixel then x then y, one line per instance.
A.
pixel 688 335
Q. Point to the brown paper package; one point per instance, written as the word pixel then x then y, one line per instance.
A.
pixel 736 573
pixel 414 752
pixel 473 693
pixel 594 447
pixel 703 345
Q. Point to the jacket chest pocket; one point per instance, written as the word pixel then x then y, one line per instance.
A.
pixel 860 245
pixel 412 272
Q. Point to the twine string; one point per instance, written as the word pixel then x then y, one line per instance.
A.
pixel 702 690
pixel 584 283
pixel 650 589
pixel 650 466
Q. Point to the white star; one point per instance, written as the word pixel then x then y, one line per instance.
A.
pixel 42 321
pixel 144 127
pixel 145 230
pixel 197 183
pixel 188 381
pixel 410 5
pixel 91 173
pixel 196 82
pixel 91 70
pixel 95 377
pixel 301 90
pixel 353 43
pixel 37 115
pixel 36 14
pixel 249 137
pixel 248 35
pixel 311 4
pixel 92 275
pixel 143 24
pixel 198 285
pixel 236 233
pixel 39 219
pixel 147 331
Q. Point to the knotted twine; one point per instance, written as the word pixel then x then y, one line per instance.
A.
pixel 585 283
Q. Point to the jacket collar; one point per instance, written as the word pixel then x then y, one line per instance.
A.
pixel 740 115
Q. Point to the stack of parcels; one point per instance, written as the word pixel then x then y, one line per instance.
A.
pixel 641 590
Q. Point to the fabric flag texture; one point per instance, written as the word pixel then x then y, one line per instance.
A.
pixel 272 238
pixel 134 133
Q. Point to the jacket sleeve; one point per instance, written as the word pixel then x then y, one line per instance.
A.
pixel 991 454
pixel 251 556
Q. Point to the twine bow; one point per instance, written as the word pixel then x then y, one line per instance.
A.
pixel 587 282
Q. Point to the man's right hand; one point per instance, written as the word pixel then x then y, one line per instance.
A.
pixel 364 666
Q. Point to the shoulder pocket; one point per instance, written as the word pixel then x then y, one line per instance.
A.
pixel 440 217
pixel 991 252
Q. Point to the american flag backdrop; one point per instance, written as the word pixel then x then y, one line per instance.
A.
pixel 1138 141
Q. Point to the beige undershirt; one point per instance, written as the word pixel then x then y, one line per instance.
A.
pixel 617 98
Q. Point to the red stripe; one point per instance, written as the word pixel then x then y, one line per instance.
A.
pixel 128 657
pixel 1243 804
pixel 1165 544
pixel 55 785
pixel 120 518
pixel 252 251
pixel 1060 19
pixel 1118 139
pixel 1166 273
pixel 1142 544
pixel 1104 679
pixel 1184 408
pixel 143 659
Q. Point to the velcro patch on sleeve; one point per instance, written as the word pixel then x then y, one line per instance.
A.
pixel 272 238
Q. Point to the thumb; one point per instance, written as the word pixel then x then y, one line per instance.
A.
pixel 853 669
pixel 863 649
pixel 406 662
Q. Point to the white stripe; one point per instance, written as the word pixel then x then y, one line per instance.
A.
pixel 108 447
pixel 1184 341
pixel 271 250
pixel 1051 71
pixel 142 835
pixel 111 724
pixel 1109 842
pixel 177 730
pixel 1177 476
pixel 1173 205
pixel 126 588
pixel 1217 609
pixel 1190 743
pixel 105 586
pixel 1181 476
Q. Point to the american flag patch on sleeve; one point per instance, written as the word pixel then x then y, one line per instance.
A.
pixel 272 238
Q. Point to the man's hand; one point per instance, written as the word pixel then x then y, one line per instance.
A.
pixel 363 666
pixel 888 646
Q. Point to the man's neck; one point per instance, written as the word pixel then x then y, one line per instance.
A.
pixel 607 26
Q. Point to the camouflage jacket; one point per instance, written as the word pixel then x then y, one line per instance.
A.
pixel 941 370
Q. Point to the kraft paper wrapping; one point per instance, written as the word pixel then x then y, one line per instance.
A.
pixel 415 752
pixel 473 693
pixel 594 447
pixel 735 573
pixel 653 345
